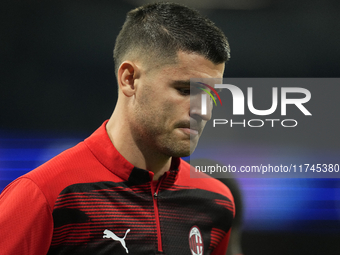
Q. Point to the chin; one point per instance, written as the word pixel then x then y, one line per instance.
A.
pixel 178 147
pixel 184 152
pixel 177 152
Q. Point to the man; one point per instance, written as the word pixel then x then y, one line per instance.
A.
pixel 125 189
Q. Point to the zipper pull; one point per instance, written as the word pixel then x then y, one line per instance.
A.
pixel 155 195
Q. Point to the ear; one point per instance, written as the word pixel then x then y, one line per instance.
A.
pixel 128 72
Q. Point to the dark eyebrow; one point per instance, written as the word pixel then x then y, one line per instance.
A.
pixel 201 86
pixel 186 83
pixel 182 83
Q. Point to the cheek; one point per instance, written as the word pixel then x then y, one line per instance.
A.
pixel 172 111
pixel 162 109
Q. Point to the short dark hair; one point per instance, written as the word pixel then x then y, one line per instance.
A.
pixel 158 31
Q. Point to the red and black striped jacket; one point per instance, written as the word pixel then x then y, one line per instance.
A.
pixel 91 200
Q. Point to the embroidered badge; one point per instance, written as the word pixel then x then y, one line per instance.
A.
pixel 195 241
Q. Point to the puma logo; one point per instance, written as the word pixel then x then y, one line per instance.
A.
pixel 110 234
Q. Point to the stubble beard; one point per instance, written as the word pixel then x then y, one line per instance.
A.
pixel 159 139
pixel 167 144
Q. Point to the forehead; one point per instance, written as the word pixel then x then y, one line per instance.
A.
pixel 191 65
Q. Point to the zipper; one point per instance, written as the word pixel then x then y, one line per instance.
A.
pixel 154 190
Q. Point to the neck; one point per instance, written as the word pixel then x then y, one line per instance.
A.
pixel 134 152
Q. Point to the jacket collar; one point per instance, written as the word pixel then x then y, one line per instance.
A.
pixel 101 146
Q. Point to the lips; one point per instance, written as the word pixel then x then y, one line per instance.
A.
pixel 192 128
pixel 189 131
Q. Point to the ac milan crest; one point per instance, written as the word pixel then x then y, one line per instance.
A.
pixel 195 241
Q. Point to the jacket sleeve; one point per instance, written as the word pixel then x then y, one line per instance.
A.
pixel 221 248
pixel 26 223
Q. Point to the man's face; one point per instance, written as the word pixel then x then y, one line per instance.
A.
pixel 165 118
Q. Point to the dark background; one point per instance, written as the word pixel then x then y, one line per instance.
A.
pixel 56 56
pixel 57 77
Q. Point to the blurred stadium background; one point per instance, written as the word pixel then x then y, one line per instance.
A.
pixel 58 86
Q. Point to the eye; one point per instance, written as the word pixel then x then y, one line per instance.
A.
pixel 184 91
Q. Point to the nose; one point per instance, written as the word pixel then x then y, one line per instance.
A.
pixel 201 105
